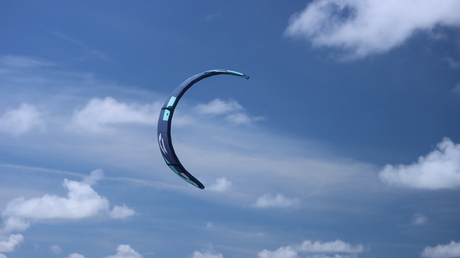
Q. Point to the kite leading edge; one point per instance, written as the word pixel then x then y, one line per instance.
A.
pixel 164 124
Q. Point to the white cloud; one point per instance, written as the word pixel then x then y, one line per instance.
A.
pixel 56 249
pixel 221 185
pixel 121 212
pixel 21 120
pixel 99 114
pixel 240 119
pixel 282 252
pixel 338 246
pixel 75 255
pixel 125 251
pixel 219 107
pixel 212 16
pixel 320 250
pixel 81 202
pixel 364 27
pixel 419 219
pixel 8 245
pixel 440 169
pixel 231 110
pixel 14 224
pixel 442 251
pixel 3 256
pixel 209 253
pixel 93 177
pixel 277 201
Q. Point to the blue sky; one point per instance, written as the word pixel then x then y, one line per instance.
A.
pixel 344 142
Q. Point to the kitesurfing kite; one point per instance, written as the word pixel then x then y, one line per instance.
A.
pixel 164 124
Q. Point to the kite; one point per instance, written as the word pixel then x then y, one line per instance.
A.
pixel 165 119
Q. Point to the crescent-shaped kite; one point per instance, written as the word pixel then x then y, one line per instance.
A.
pixel 164 124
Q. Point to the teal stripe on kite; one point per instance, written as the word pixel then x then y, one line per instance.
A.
pixel 166 115
pixel 171 102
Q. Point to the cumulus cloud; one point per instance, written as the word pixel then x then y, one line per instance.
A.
pixel 22 120
pixel 282 252
pixel 14 224
pixel 277 201
pixel 81 202
pixel 365 27
pixel 75 255
pixel 125 251
pixel 442 251
pixel 209 253
pixel 440 169
pixel 100 114
pixel 337 248
pixel 221 185
pixel 121 212
pixel 8 244
pixel 419 219
pixel 232 111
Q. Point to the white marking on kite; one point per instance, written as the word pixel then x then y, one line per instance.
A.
pixel 162 144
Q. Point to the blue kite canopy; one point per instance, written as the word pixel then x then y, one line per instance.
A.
pixel 164 124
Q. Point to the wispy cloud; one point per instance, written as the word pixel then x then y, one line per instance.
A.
pixel 75 255
pixel 456 89
pixel 19 121
pixel 212 16
pixel 440 251
pixel 337 248
pixel 277 201
pixel 219 107
pixel 130 115
pixel 363 28
pixel 56 249
pixel 419 219
pixel 99 114
pixel 87 52
pixel 452 62
pixel 440 169
pixel 21 62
